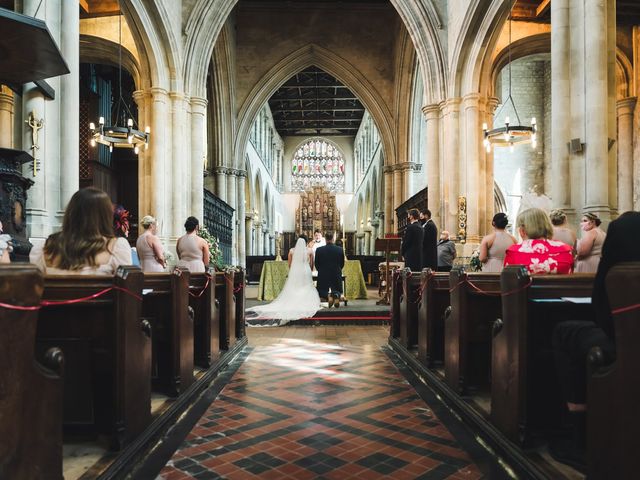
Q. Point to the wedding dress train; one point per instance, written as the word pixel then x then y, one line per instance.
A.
pixel 298 298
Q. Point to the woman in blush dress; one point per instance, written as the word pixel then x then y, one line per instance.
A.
pixel 86 245
pixel 589 248
pixel 561 231
pixel 149 247
pixel 193 251
pixel 537 253
pixel 494 246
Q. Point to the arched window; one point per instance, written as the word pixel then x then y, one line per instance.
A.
pixel 317 163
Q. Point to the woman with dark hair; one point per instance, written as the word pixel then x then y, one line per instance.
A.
pixel 537 252
pixel 193 251
pixel 86 245
pixel 494 245
pixel 589 248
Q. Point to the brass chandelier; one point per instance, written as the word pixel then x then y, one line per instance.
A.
pixel 510 134
pixel 114 136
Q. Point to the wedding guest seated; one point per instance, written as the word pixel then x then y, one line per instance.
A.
pixel 589 247
pixel 121 229
pixel 572 340
pixel 5 247
pixel 149 247
pixel 561 230
pixel 86 245
pixel 493 247
pixel 536 252
pixel 446 252
pixel 193 251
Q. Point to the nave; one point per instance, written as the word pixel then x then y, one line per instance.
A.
pixel 324 402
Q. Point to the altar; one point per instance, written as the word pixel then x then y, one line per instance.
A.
pixel 274 275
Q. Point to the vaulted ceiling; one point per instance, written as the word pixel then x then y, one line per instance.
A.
pixel 627 11
pixel 315 102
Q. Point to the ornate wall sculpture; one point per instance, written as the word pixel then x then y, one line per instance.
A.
pixel 317 211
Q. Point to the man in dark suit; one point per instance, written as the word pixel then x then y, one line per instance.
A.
pixel 429 242
pixel 329 262
pixel 412 243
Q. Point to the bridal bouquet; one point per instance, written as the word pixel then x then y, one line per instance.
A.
pixel 214 247
pixel 474 262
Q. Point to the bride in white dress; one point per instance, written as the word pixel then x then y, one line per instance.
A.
pixel 298 298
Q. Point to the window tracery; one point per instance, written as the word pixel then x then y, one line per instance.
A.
pixel 317 163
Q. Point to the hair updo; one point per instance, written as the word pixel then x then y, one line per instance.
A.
pixel 500 220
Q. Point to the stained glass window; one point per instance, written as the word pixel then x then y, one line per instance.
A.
pixel 317 163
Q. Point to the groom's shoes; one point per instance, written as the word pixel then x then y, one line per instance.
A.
pixel 336 301
pixel 330 301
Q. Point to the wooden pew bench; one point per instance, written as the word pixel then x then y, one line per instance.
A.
pixel 239 293
pixel 431 316
pixel 166 307
pixel 524 391
pixel 395 298
pixel 613 421
pixel 107 351
pixel 409 306
pixel 30 393
pixel 224 295
pixel 206 318
pixel 475 306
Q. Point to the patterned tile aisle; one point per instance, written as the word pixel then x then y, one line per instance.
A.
pixel 299 410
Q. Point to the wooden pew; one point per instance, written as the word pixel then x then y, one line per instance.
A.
pixel 431 314
pixel 240 296
pixel 409 305
pixel 224 295
pixel 165 306
pixel 107 351
pixel 467 330
pixel 30 394
pixel 522 392
pixel 396 296
pixel 206 318
pixel 613 421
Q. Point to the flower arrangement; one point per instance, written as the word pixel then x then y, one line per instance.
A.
pixel 474 262
pixel 215 252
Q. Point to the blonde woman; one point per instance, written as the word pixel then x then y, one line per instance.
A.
pixel 149 247
pixel 561 231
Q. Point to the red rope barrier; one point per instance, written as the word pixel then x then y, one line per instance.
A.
pixel 628 308
pixel 50 303
pixel 204 289
pixel 492 294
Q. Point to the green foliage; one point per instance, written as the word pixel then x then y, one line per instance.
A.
pixel 215 253
pixel 474 262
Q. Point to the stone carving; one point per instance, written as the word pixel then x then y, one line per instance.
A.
pixel 35 125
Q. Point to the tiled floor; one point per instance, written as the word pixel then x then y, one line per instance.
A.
pixel 320 402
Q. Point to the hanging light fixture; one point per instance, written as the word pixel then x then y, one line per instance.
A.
pixel 115 136
pixel 511 134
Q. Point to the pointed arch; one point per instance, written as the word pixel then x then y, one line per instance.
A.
pixel 300 59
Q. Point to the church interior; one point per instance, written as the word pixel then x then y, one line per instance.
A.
pixel 268 120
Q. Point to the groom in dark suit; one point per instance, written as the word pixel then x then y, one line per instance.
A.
pixel 329 262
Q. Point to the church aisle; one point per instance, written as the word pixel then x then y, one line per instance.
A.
pixel 301 409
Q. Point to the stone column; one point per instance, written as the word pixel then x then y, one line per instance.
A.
pixel 265 242
pixel 492 104
pixel 367 241
pixel 610 6
pixel 160 188
pixel 272 244
pixel 240 216
pixel 70 102
pixel 259 246
pixel 6 117
pixel 232 201
pixel 626 109
pixel 451 165
pixel 560 104
pixel 145 183
pixel 472 171
pixel 221 182
pixel 389 221
pixel 248 228
pixel 432 163
pixel 375 224
pixel 596 110
pixel 398 197
pixel 179 159
pixel 198 154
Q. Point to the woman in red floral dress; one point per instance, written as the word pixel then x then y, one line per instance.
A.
pixel 537 252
